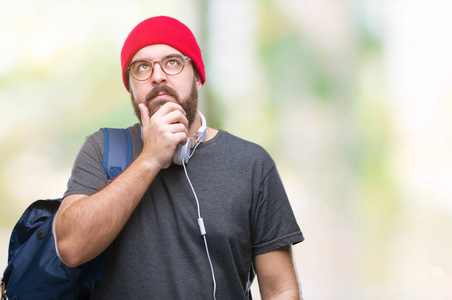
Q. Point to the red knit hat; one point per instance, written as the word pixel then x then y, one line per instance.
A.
pixel 161 30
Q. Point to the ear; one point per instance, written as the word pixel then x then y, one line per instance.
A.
pixel 198 81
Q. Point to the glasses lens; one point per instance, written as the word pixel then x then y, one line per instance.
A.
pixel 141 69
pixel 173 64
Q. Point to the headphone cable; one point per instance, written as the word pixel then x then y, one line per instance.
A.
pixel 203 231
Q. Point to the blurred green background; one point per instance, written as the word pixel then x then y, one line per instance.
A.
pixel 351 98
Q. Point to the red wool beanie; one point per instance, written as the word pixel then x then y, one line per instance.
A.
pixel 161 30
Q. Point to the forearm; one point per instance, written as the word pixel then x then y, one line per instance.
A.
pixel 287 293
pixel 86 225
pixel 276 275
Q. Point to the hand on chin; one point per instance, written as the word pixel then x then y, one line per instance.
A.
pixel 158 101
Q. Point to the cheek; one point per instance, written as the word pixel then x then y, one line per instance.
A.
pixel 187 89
pixel 138 95
pixel 132 91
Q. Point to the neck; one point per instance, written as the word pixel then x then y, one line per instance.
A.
pixel 193 129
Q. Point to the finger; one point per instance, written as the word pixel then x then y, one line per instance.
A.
pixel 169 107
pixel 181 137
pixel 178 128
pixel 175 117
pixel 144 111
pixel 171 113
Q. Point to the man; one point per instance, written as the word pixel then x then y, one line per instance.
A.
pixel 147 218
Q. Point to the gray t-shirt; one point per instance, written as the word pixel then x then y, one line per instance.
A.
pixel 160 253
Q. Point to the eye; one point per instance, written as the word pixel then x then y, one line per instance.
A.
pixel 173 62
pixel 141 66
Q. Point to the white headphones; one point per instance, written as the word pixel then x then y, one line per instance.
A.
pixel 182 154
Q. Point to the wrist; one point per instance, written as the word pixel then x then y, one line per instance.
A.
pixel 149 162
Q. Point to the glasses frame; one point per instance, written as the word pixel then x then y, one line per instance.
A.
pixel 160 63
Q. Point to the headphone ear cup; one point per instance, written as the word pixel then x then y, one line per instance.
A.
pixel 182 153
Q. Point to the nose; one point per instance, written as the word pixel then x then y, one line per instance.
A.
pixel 158 77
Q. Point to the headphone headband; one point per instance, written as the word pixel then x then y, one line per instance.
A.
pixel 202 131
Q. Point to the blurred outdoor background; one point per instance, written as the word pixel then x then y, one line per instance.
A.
pixel 352 98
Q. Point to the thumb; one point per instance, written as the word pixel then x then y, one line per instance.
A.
pixel 144 114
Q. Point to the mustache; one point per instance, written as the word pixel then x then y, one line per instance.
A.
pixel 159 89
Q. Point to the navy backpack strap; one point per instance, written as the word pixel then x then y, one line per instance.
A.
pixel 117 151
pixel 117 156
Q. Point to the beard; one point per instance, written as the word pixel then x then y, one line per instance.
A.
pixel 189 104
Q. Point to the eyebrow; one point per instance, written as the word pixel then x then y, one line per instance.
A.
pixel 145 58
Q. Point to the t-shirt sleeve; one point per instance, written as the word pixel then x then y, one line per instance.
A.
pixel 275 225
pixel 88 175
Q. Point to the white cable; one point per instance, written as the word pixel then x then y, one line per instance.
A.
pixel 211 268
pixel 193 190
pixel 198 140
pixel 193 151
pixel 203 231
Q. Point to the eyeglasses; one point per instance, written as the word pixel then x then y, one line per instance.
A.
pixel 172 64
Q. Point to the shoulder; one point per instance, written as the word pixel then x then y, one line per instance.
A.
pixel 239 153
pixel 244 146
pixel 98 136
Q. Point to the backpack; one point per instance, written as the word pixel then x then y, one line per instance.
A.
pixel 34 270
